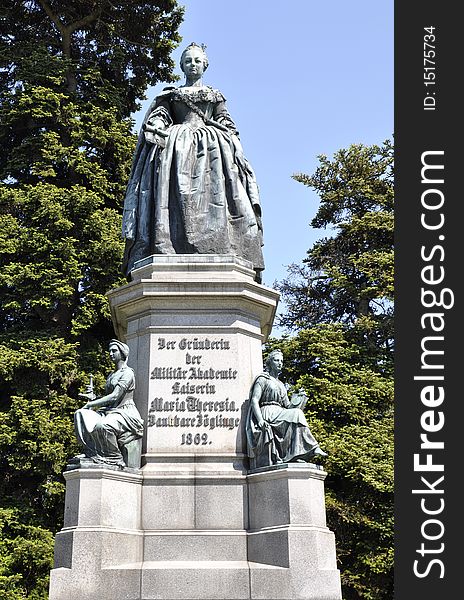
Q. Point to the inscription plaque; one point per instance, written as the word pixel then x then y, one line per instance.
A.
pixel 196 394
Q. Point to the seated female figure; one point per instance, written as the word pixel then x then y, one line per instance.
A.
pixel 276 428
pixel 105 433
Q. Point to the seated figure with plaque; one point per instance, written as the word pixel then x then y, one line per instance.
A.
pixel 276 427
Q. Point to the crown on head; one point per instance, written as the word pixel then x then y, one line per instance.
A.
pixel 194 44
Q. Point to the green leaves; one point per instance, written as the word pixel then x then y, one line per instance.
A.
pixel 59 250
pixel 26 556
pixel 358 179
pixel 43 354
pixel 348 278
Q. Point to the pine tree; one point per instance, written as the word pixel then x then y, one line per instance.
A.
pixel 348 277
pixel 71 74
pixel 340 308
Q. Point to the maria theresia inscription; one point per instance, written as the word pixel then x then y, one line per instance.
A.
pixel 195 390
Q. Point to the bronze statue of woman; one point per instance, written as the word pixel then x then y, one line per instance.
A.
pixel 191 189
pixel 106 433
pixel 276 427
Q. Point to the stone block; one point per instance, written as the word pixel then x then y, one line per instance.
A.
pixel 289 537
pixel 199 580
pixel 196 546
pixel 194 325
pixel 168 505
pixel 108 584
pixel 289 493
pixel 269 547
pixel 272 583
pixel 194 502
pixel 102 497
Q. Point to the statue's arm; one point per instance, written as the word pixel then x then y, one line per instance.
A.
pixel 114 397
pixel 256 395
pixel 158 122
pixel 286 402
pixel 222 116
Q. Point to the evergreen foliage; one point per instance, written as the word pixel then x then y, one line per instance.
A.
pixel 348 277
pixel 71 74
pixel 340 308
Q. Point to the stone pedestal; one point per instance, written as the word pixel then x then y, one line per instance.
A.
pixel 195 325
pixel 193 523
pixel 99 551
pixel 291 552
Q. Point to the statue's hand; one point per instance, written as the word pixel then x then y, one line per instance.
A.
pixel 89 393
pixel 160 141
pixel 92 403
pixel 262 424
pixel 155 135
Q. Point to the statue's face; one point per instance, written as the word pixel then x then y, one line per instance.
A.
pixel 193 63
pixel 277 361
pixel 115 353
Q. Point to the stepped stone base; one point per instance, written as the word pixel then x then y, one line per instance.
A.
pixel 256 536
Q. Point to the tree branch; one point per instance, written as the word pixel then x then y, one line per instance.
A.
pixel 47 8
pixel 66 33
pixel 87 20
pixel 80 24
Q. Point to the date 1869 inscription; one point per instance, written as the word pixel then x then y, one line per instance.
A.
pixel 197 402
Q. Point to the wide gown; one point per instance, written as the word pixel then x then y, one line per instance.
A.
pixel 198 195
pixel 102 433
pixel 287 437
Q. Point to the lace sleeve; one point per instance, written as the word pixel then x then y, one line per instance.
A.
pixel 222 116
pixel 160 115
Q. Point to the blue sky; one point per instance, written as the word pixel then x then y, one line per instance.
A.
pixel 301 78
